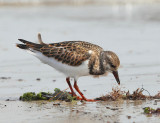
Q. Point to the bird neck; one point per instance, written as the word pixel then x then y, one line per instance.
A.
pixel 96 65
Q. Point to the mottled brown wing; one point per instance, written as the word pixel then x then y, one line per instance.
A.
pixel 78 46
pixel 70 52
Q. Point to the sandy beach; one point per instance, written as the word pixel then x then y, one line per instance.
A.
pixel 132 31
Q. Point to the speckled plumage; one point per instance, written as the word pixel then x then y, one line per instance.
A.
pixel 74 59
pixel 72 53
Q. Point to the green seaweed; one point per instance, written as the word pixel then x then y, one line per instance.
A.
pixel 29 96
pixel 149 110
pixel 64 96
pixel 57 95
pixel 57 90
pixel 70 98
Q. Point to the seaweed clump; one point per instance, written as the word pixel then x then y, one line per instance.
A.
pixel 114 95
pixel 62 95
pixel 118 94
pixel 57 95
pixel 149 110
pixel 29 96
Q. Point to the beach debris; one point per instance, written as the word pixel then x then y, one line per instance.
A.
pixel 114 95
pixel 149 110
pixel 57 95
pixel 38 79
pixel 20 80
pixel 157 96
pixel 5 77
pixel 29 96
pixel 137 95
pixel 156 102
pixel 129 117
pixel 57 104
pixel 113 108
pixel 62 95
pixel 118 94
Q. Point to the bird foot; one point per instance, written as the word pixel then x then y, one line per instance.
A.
pixel 80 98
pixel 85 99
pixel 74 95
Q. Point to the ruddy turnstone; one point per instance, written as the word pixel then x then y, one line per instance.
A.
pixel 74 59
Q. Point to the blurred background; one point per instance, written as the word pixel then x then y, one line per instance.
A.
pixel 130 28
pixel 74 2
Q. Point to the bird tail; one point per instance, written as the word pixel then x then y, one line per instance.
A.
pixel 29 45
pixel 22 46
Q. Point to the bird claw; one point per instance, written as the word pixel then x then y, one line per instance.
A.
pixel 84 99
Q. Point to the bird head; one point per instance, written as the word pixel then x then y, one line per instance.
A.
pixel 111 63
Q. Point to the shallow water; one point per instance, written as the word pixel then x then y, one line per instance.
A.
pixel 131 31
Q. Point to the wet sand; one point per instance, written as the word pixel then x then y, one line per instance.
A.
pixel 132 31
pixel 44 111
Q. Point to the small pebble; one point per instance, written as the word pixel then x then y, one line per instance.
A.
pixel 20 80
pixel 5 77
pixel 85 112
pixel 107 107
pixel 38 79
pixel 7 100
pixel 129 117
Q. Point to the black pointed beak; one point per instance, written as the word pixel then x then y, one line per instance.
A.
pixel 115 73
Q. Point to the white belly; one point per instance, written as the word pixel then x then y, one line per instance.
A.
pixel 69 71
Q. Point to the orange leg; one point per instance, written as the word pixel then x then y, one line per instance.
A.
pixel 83 97
pixel 72 91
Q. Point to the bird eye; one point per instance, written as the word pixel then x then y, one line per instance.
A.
pixel 113 66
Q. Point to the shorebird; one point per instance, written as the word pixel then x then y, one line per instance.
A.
pixel 74 59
